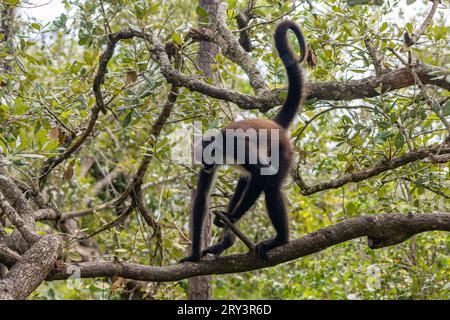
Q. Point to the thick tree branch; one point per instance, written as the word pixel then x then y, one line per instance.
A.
pixel 440 159
pixel 382 230
pixel 19 212
pixel 14 196
pixel 372 86
pixel 33 267
pixel 235 52
pixel 377 60
pixel 335 91
pixel 26 230
pixel 46 214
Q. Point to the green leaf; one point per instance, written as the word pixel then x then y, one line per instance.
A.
pixel 74 256
pixel 177 38
pixel 19 108
pixel 353 3
pixel 409 27
pixel 399 141
pixel 36 26
pixel 201 11
pixel 127 120
pixel 88 57
pixel 383 26
pixel 446 109
pixel 61 21
pixel 436 106
pixel 31 58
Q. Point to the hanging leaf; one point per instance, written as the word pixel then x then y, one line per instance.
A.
pixel 54 133
pixel 117 283
pixel 36 26
pixel 311 58
pixel 131 77
pixel 127 120
pixel 68 174
pixel 399 140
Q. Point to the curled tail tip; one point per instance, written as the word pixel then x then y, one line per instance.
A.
pixel 281 32
pixel 295 76
pixel 287 24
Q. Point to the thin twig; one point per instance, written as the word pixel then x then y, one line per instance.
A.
pixel 421 87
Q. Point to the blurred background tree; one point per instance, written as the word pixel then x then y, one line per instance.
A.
pixel 46 99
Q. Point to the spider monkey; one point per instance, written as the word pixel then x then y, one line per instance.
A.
pixel 252 183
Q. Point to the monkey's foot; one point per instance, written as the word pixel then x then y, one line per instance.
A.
pixel 215 250
pixel 263 247
pixel 191 258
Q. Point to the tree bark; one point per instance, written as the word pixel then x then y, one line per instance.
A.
pixel 199 288
pixel 6 18
pixel 382 230
pixel 6 21
pixel 32 268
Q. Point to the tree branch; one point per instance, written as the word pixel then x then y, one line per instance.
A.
pixel 375 56
pixel 235 52
pixel 26 230
pixel 422 88
pixel 382 230
pixel 51 163
pixel 7 256
pixel 33 267
pixel 375 85
pixel 425 24
pixel 373 171
pixel 19 212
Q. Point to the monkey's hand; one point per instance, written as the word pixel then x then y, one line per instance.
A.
pixel 191 258
pixel 219 222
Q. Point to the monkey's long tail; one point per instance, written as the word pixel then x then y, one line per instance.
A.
pixel 294 98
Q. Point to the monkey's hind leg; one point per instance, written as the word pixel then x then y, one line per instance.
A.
pixel 276 208
pixel 252 192
pixel 227 239
pixel 241 188
pixel 205 181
